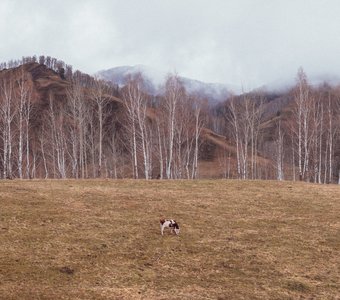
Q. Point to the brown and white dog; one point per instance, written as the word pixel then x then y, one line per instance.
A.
pixel 172 224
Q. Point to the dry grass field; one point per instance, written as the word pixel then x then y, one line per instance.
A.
pixel 100 239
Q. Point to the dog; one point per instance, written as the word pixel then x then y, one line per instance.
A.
pixel 172 224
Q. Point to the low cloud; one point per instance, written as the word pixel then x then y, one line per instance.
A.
pixel 247 42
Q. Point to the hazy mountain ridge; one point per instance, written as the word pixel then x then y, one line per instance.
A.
pixel 284 85
pixel 154 80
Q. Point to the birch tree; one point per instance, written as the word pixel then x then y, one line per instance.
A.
pixel 24 108
pixel 77 112
pixel 232 116
pixel 56 121
pixel 7 114
pixel 301 128
pixel 138 125
pixel 174 92
pixel 99 94
pixel 280 152
pixel 197 133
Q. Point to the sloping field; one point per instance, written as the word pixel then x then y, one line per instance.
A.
pixel 101 240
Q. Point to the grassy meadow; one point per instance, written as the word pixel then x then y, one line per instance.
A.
pixel 100 239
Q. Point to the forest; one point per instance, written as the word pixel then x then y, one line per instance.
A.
pixel 60 123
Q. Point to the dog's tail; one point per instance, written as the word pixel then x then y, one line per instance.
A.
pixel 162 220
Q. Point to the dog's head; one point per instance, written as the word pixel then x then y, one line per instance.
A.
pixel 176 227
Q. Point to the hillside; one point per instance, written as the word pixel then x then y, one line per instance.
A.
pixel 56 123
pixel 46 87
pixel 100 239
pixel 42 80
pixel 45 81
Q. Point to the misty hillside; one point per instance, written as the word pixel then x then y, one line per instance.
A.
pixel 60 123
pixel 60 116
pixel 154 81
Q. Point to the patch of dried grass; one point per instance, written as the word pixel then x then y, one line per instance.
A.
pixel 100 239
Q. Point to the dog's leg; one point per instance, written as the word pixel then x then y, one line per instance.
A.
pixel 162 229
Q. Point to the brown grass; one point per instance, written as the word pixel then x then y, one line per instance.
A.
pixel 101 240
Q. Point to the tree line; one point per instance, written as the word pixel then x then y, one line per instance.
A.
pixel 97 129
pixel 300 137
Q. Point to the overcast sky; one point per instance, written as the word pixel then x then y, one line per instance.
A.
pixel 242 42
